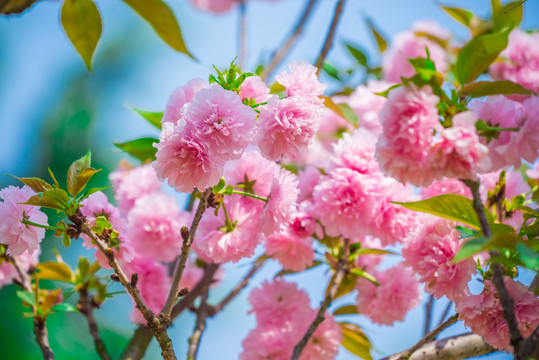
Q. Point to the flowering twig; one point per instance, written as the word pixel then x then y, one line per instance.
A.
pixel 454 348
pixel 40 330
pixel 428 337
pixel 283 50
pixel 187 241
pixel 331 34
pixel 86 308
pixel 497 277
pixel 242 34
pixel 158 325
pixel 341 270
pixel 428 314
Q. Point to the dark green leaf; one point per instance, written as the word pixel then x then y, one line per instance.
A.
pixel 152 117
pixel 66 240
pixel 35 184
pixel 355 341
pixel 141 149
pixel 75 170
pixel 346 310
pixel 528 257
pixel 380 40
pixel 461 15
pixel 82 23
pixel 357 54
pixel 471 248
pixel 531 231
pixel 64 307
pixel 466 233
pixel 487 88
pixel 15 6
pixel 161 18
pixel 331 71
pixel 528 210
pixel 477 55
pixel 449 206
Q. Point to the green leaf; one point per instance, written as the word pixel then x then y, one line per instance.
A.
pixel 380 40
pixel 26 296
pixel 153 117
pixel 331 71
pixel 362 273
pixel 449 206
pixel 346 310
pixel 66 240
pixel 141 149
pixel 355 341
pixel 349 113
pixel 35 184
pixel 471 248
pixel 83 178
pixel 64 307
pixel 461 15
pixel 9 7
pixel 55 199
pixel 466 233
pixel 357 54
pixel 477 55
pixel 531 231
pixel 487 88
pixel 528 257
pixel 161 18
pixel 82 23
pixel 56 185
pixel 368 251
pixel 508 15
pixel 93 190
pixel 55 271
pixel 76 168
pixel 528 210
pixel 385 93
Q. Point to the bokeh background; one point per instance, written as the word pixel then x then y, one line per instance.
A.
pixel 52 110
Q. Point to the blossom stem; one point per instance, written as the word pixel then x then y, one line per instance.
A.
pixel 173 294
pixel 86 308
pixel 340 272
pixel 249 195
pixel 228 225
pixel 28 222
pixel 428 337
pixel 284 49
pixel 331 35
pixel 497 277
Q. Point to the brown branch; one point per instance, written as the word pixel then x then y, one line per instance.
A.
pixel 86 308
pixel 341 270
pixel 446 311
pixel 428 314
pixel 40 329
pixel 497 277
pixel 158 325
pixel 285 48
pixel 187 241
pixel 202 315
pixel 454 348
pixel 428 338
pixel 534 284
pixel 136 348
pixel 331 34
pixel 529 348
pixel 242 34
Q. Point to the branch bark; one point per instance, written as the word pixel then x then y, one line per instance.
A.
pixel 341 270
pixel 202 314
pixel 86 308
pixel 454 348
pixel 428 314
pixel 328 43
pixel 285 48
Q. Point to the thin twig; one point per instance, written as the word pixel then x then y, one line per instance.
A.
pixel 497 277
pixel 341 269
pixel 331 34
pixel 429 337
pixel 446 311
pixel 40 329
pixel 454 348
pixel 187 241
pixel 242 34
pixel 200 326
pixel 86 308
pixel 534 284
pixel 428 314
pixel 217 308
pixel 285 48
pixel 530 347
pixel 158 325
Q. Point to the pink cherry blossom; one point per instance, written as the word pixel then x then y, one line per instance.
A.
pixel 285 127
pixel 185 161
pixel 8 271
pixel 355 151
pixel 219 242
pixel 345 202
pixel 325 342
pixel 332 124
pixel 408 118
pixel 308 179
pixel 430 255
pixel 368 262
pixel 282 198
pixel 302 223
pixel 391 301
pixel 484 316
pixel 129 185
pixel 302 81
pixel 17 236
pixel 253 87
pixel 269 342
pixel 533 173
pixel 179 97
pixel 520 60
pixel 218 118
pixel 153 227
pixel 293 252
pixel 446 186
pixel 215 6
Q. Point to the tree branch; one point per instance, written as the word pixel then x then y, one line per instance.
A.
pixel 285 48
pixel 200 325
pixel 428 314
pixel 428 338
pixel 341 270
pixel 446 311
pixel 187 241
pixel 497 277
pixel 331 34
pixel 454 348
pixel 40 329
pixel 86 308
pixel 530 347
